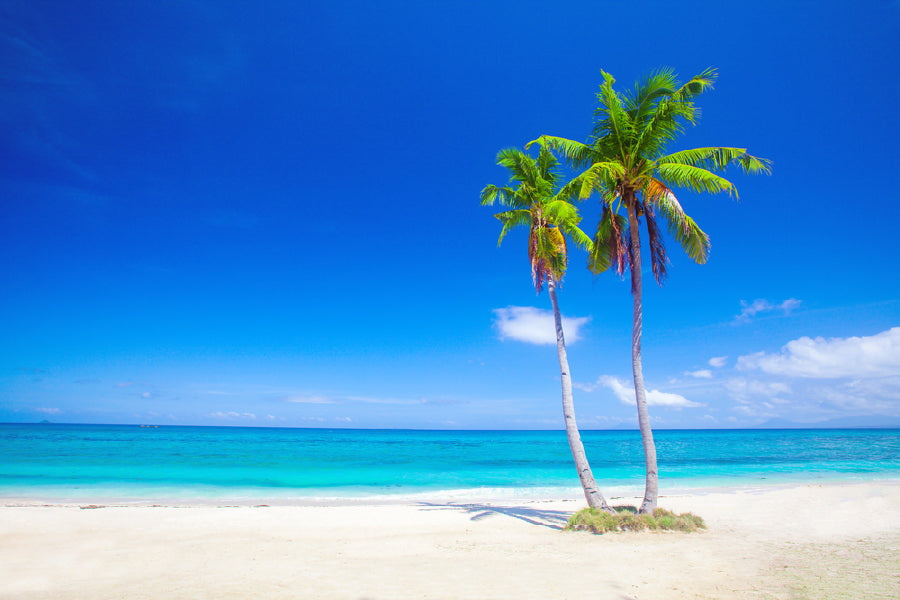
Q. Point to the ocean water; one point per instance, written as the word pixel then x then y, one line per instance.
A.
pixel 127 462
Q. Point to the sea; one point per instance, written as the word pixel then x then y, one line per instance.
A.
pixel 96 463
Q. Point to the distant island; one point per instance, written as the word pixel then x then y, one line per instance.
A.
pixel 859 422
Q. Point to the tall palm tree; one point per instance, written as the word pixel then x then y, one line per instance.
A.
pixel 534 201
pixel 626 162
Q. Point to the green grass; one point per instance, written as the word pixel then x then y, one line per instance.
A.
pixel 627 519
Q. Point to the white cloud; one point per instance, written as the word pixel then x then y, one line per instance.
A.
pixel 625 394
pixel 718 361
pixel 146 395
pixel 863 397
pixel 313 399
pixel 751 309
pixel 809 400
pixel 232 415
pixel 381 400
pixel 741 388
pixel 701 374
pixel 869 356
pixel 49 411
pixel 342 399
pixel 535 326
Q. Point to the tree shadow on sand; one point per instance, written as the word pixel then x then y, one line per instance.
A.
pixel 553 519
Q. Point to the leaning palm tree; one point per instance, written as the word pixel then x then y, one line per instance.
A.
pixel 626 162
pixel 534 201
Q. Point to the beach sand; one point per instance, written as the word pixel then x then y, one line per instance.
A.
pixel 809 541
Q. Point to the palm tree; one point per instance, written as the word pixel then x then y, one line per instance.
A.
pixel 626 163
pixel 534 201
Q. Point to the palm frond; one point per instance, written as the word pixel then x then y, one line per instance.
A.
pixel 695 178
pixel 492 193
pixel 527 171
pixel 664 122
pixel 694 241
pixel 658 259
pixel 698 84
pixel 612 122
pixel 718 158
pixel 558 211
pixel 558 257
pixel 565 217
pixel 662 127
pixel 603 175
pixel 577 154
pixel 511 219
pixel 547 253
pixel 753 165
pixel 578 236
pixel 608 249
pixel 655 86
pixel 571 191
pixel 547 166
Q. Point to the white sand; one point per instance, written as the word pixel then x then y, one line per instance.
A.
pixel 828 541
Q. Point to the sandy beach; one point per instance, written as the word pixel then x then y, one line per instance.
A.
pixel 810 541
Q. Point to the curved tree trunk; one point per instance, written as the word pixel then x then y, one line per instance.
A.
pixel 594 498
pixel 651 488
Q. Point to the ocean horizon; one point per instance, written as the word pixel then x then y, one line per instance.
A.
pixel 82 462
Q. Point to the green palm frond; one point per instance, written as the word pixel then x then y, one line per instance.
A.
pixel 698 84
pixel 571 191
pixel 694 241
pixel 612 122
pixel 580 238
pixel 754 165
pixel 566 218
pixel 718 158
pixel 492 193
pixel 662 127
pixel 577 154
pixel 695 178
pixel 511 219
pixel 662 122
pixel 558 211
pixel 602 177
pixel 522 167
pixel 648 92
pixel 608 249
pixel 547 165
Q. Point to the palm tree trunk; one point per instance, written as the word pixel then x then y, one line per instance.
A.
pixel 594 498
pixel 651 487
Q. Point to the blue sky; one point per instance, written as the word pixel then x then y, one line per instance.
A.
pixel 225 214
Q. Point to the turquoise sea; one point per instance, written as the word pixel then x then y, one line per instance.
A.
pixel 129 462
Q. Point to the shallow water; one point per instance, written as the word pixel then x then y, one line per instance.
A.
pixel 130 462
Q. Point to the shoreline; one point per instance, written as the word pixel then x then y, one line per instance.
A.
pixel 790 541
pixel 480 495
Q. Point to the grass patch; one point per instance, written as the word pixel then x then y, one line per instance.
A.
pixel 627 519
